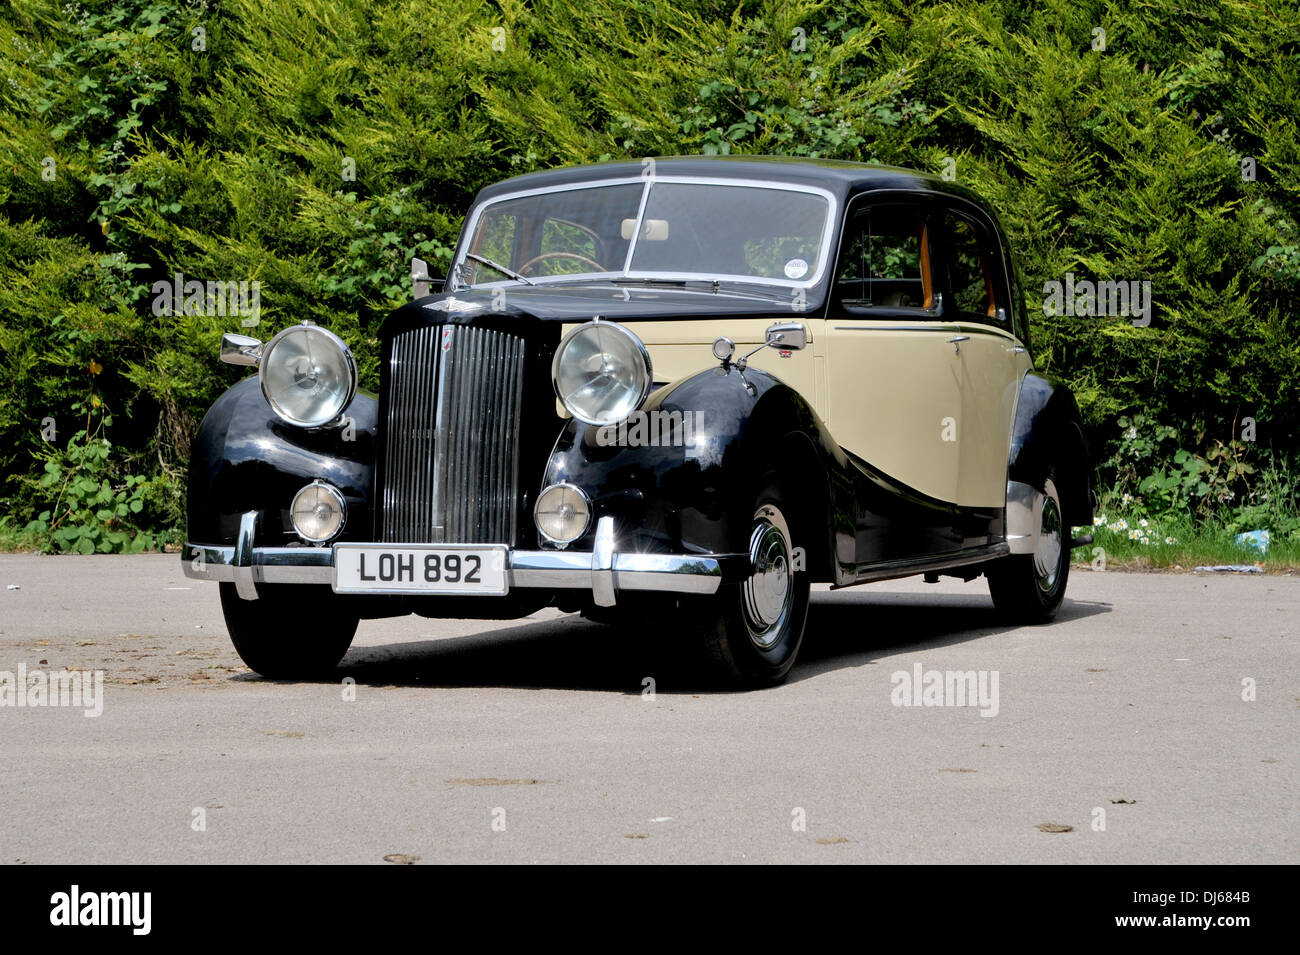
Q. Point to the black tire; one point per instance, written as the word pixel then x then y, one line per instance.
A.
pixel 752 631
pixel 1030 588
pixel 290 632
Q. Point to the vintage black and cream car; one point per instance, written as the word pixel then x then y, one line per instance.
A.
pixel 681 391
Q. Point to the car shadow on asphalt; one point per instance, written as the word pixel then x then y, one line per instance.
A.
pixel 845 629
pixel 850 628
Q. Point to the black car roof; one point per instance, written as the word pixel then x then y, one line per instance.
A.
pixel 844 179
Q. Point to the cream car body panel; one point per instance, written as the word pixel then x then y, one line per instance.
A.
pixel 681 348
pixel 869 364
pixel 949 443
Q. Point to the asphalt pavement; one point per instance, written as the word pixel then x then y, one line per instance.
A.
pixel 1154 722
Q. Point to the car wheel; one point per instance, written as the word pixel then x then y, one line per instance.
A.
pixel 1029 588
pixel 753 630
pixel 290 632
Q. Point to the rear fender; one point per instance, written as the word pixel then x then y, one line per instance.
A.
pixel 1048 432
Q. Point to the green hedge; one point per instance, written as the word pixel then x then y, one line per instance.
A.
pixel 213 139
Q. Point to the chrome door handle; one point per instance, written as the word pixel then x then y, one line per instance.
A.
pixel 956 341
pixel 1018 349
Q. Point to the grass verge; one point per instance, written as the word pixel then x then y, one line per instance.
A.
pixel 1125 544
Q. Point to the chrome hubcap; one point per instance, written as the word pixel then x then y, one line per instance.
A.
pixel 1047 554
pixel 768 593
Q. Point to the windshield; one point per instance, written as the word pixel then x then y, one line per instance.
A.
pixel 656 229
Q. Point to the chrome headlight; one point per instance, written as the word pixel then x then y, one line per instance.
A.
pixel 308 375
pixel 601 372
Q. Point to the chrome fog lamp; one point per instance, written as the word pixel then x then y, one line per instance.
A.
pixel 318 513
pixel 601 372
pixel 562 513
pixel 308 375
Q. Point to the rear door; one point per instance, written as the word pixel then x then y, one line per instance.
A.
pixel 993 359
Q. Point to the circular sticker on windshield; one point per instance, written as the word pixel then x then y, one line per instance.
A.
pixel 796 269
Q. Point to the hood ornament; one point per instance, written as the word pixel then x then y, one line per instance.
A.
pixel 452 304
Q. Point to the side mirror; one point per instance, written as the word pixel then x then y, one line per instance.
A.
pixel 240 349
pixel 787 336
pixel 419 277
pixel 421 283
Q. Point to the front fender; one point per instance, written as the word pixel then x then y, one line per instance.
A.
pixel 1048 431
pixel 244 458
pixel 697 495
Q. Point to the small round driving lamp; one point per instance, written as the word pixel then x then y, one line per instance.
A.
pixel 601 373
pixel 308 375
pixel 562 513
pixel 318 513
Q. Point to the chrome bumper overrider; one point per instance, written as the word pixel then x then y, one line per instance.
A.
pixel 603 570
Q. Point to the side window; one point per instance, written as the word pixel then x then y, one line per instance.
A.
pixel 974 274
pixel 885 262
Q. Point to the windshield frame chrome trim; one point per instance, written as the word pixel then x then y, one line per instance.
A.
pixel 647 183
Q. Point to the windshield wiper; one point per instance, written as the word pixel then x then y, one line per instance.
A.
pixel 509 273
pixel 681 283
pixel 714 285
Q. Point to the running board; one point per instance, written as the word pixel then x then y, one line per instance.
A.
pixel 925 565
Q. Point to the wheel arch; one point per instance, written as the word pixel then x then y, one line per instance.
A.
pixel 1048 431
pixel 785 435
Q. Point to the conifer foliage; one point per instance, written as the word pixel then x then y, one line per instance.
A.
pixel 314 146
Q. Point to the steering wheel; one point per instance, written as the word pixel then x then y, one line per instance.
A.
pixel 523 269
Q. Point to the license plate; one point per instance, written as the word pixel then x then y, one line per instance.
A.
pixel 420 569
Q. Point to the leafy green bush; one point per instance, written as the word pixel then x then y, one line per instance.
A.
pixel 91 510
pixel 1152 479
pixel 1172 480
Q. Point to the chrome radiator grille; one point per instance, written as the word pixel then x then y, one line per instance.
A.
pixel 451 461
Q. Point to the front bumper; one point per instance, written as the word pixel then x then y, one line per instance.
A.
pixel 603 570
